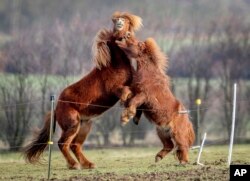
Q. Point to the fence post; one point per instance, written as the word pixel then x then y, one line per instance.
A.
pixel 233 125
pixel 201 148
pixel 50 142
pixel 198 136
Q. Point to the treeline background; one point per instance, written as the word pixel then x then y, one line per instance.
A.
pixel 46 45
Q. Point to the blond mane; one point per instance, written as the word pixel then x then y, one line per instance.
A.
pixel 135 21
pixel 100 50
pixel 157 56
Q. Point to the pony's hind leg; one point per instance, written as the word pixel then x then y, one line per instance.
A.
pixel 182 149
pixel 126 94
pixel 168 145
pixel 64 144
pixel 182 154
pixel 76 145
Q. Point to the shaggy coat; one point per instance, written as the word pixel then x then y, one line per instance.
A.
pixel 150 89
pixel 90 96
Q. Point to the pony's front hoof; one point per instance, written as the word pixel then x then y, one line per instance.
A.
pixel 124 121
pixel 158 158
pixel 136 120
pixel 122 103
pixel 131 112
pixel 76 166
pixel 124 117
pixel 123 99
pixel 89 166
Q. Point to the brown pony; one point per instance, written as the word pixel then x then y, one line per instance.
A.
pixel 77 103
pixel 150 89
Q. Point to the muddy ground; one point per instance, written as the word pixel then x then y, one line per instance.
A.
pixel 212 172
pixel 204 173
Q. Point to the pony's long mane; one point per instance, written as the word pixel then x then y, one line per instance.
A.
pixel 156 55
pixel 100 50
pixel 135 21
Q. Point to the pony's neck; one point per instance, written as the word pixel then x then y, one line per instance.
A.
pixel 118 57
pixel 118 34
pixel 143 64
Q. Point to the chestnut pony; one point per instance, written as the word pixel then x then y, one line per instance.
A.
pixel 150 89
pixel 102 86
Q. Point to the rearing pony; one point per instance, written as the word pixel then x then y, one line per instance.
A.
pixel 150 89
pixel 102 86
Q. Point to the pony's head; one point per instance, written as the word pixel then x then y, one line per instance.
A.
pixel 131 46
pixel 123 22
pixel 144 51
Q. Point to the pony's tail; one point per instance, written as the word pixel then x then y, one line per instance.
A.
pixel 33 151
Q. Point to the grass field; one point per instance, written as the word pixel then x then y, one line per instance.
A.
pixel 127 164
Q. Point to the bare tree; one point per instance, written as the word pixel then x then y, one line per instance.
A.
pixel 232 57
pixel 16 91
pixel 195 64
pixel 107 124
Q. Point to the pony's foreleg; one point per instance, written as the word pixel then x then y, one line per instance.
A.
pixel 135 102
pixel 64 143
pixel 126 94
pixel 76 145
pixel 137 117
pixel 130 111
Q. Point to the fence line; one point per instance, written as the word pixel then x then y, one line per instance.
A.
pixel 214 141
pixel 194 108
pixel 22 103
pixel 130 132
pixel 115 145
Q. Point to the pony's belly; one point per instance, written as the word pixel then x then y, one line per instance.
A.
pixel 167 132
pixel 155 117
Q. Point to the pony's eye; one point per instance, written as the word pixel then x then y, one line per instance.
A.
pixel 122 19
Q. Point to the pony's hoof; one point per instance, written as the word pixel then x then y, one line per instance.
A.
pixel 136 120
pixel 124 121
pixel 158 158
pixel 122 103
pixel 123 100
pixel 182 164
pixel 76 166
pixel 89 166
pixel 131 112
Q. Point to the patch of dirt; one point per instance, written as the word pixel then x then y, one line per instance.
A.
pixel 201 173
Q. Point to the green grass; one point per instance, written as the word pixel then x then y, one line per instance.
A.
pixel 118 161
